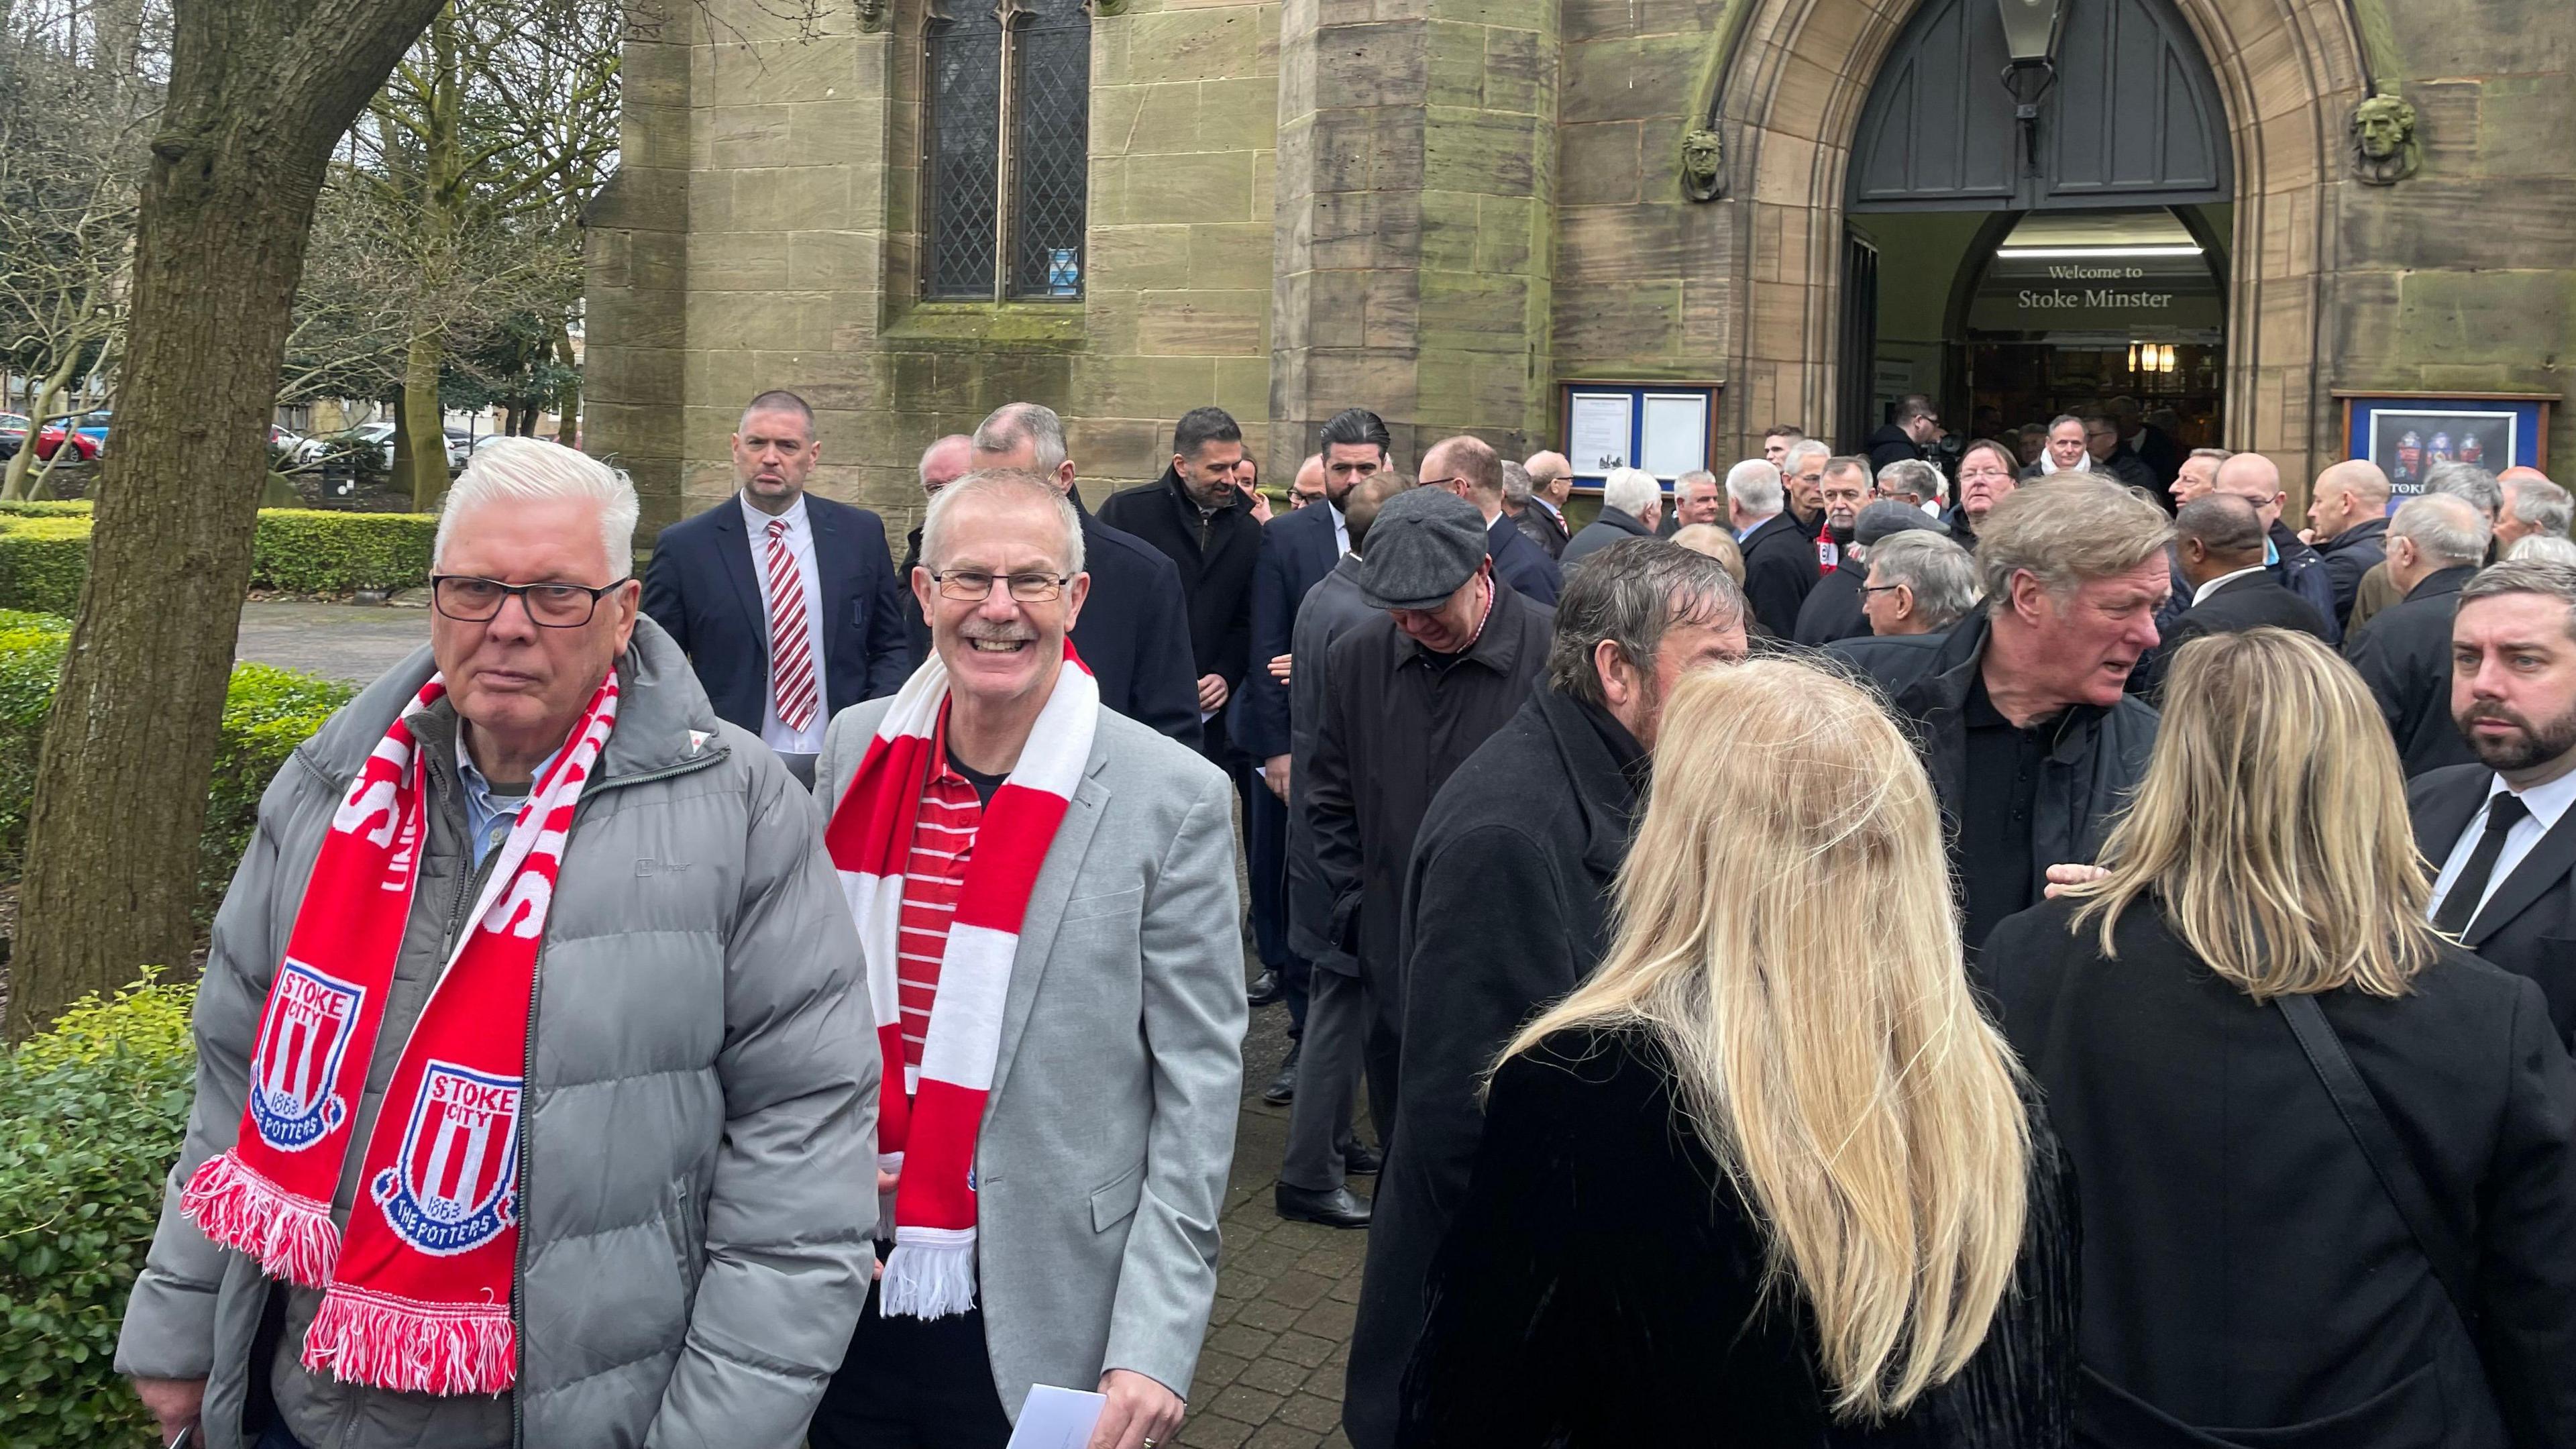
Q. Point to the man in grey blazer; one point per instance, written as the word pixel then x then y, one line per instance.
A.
pixel 1099 1167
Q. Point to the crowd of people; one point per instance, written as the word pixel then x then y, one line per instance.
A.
pixel 2002 944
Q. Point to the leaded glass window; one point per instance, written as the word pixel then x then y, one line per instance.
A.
pixel 1006 148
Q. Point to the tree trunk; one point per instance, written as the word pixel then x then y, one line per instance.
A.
pixel 259 91
pixel 424 423
pixel 568 425
pixel 23 475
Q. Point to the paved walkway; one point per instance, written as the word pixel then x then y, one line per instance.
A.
pixel 1271 1374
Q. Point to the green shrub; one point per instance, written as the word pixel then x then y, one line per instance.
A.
pixel 267 713
pixel 42 561
pixel 43 554
pixel 31 658
pixel 46 508
pixel 91 1116
pixel 316 551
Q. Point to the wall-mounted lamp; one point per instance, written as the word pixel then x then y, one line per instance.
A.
pixel 2147 357
pixel 2031 29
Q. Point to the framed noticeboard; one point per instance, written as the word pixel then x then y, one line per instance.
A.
pixel 1665 428
pixel 2407 433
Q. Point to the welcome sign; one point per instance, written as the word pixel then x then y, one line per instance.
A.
pixel 2167 298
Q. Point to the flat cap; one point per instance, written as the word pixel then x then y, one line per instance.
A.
pixel 1888 516
pixel 1424 547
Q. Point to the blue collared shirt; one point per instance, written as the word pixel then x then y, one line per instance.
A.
pixel 489 813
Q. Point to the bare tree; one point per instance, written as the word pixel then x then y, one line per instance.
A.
pixel 259 92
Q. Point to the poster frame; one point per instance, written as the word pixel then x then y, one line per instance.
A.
pixel 1587 482
pixel 2531 411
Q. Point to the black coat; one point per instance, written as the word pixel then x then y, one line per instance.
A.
pixel 1216 578
pixel 1521 563
pixel 1506 910
pixel 2350 554
pixel 1780 570
pixel 2302 570
pixel 2253 602
pixel 1331 609
pixel 2243 1266
pixel 1890 445
pixel 916 629
pixel 1832 611
pixel 1604 1288
pixel 2097 760
pixel 700 587
pixel 1604 530
pixel 1396 724
pixel 2404 655
pixel 1297 549
pixel 2528 924
pixel 1543 528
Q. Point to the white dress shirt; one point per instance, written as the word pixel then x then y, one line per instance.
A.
pixel 800 542
pixel 2547 803
pixel 1341 530
pixel 2214 585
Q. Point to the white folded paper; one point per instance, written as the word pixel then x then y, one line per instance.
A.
pixel 1056 1418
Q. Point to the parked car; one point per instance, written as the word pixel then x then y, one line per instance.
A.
pixel 13 432
pixel 460 449
pixel 93 425
pixel 375 438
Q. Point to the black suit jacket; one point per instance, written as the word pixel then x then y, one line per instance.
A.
pixel 2242 1265
pixel 2350 554
pixel 1543 528
pixel 1833 610
pixel 701 589
pixel 1521 563
pixel 1134 631
pixel 1780 570
pixel 2528 924
pixel 1215 580
pixel 2251 602
pixel 2404 655
pixel 1297 550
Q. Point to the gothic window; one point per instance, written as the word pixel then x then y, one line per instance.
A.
pixel 1006 147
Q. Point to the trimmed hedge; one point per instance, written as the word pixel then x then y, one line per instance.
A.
pixel 267 713
pixel 46 508
pixel 91 1116
pixel 43 555
pixel 42 563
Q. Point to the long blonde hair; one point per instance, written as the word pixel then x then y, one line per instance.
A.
pixel 1785 934
pixel 2271 827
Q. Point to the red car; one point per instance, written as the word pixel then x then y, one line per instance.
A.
pixel 13 432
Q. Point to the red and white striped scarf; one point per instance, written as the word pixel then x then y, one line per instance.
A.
pixel 927 1129
pixel 418 1298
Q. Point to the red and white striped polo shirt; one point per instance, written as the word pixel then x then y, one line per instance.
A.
pixel 943 840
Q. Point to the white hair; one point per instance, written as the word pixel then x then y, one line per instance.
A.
pixel 1754 486
pixel 1631 490
pixel 2448 529
pixel 2543 548
pixel 533 470
pixel 1802 448
pixel 1009 485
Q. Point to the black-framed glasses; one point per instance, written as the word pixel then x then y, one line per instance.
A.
pixel 471 600
pixel 974 585
pixel 1880 588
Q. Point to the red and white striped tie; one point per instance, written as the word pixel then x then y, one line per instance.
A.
pixel 791 654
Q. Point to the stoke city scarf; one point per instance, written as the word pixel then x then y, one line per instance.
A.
pixel 417 1299
pixel 926 1125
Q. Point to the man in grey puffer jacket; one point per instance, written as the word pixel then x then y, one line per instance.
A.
pixel 697 1146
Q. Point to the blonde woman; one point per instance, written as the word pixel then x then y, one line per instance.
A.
pixel 2254 1050
pixel 1765 1178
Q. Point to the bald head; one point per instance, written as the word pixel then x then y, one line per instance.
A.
pixel 946 461
pixel 1308 486
pixel 2346 494
pixel 1551 477
pixel 2254 478
pixel 1467 467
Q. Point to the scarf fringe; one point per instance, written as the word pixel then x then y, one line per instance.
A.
pixel 292 1236
pixel 408 1347
pixel 930 1274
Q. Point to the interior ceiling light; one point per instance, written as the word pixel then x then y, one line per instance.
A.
pixel 2037 254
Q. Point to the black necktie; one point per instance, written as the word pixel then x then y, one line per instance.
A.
pixel 2460 907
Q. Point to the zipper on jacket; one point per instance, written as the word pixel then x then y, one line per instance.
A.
pixel 527 1110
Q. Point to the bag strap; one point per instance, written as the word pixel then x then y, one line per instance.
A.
pixel 2378 1141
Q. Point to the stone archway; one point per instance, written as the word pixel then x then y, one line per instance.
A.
pixel 1789 103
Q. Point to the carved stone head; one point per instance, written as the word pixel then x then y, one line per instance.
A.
pixel 2383 140
pixel 1703 163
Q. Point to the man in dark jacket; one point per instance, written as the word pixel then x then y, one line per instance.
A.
pixel 1411 698
pixel 1632 504
pixel 1910 434
pixel 1469 467
pixel 1297 550
pixel 2404 654
pixel 2026 727
pixel 2219 542
pixel 1507 905
pixel 942 463
pixel 2499 833
pixel 2348 527
pixel 2294 565
pixel 1133 633
pixel 2111 460
pixel 1542 522
pixel 1779 558
pixel 1832 610
pixel 1196 517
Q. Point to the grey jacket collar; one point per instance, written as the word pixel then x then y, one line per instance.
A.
pixel 664 721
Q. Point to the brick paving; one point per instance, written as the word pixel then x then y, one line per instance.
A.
pixel 1271 1374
